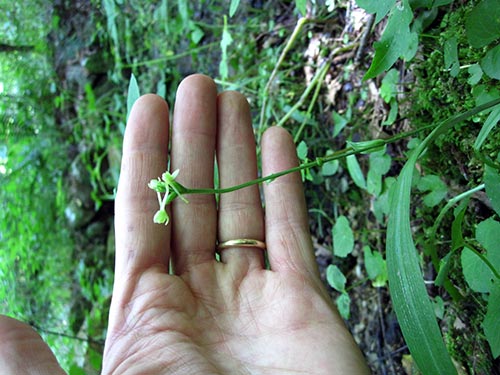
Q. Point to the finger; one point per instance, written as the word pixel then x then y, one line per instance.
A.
pixel 240 212
pixel 22 350
pixel 287 231
pixel 193 147
pixel 139 242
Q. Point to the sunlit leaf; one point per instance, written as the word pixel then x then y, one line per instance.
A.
pixel 301 6
pixel 343 303
pixel 375 267
pixel 302 150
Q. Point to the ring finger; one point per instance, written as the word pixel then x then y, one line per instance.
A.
pixel 240 212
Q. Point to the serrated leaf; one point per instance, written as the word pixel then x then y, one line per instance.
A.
pixel 355 171
pixel 380 7
pixel 133 93
pixel 343 238
pixel 233 7
pixel 491 62
pixel 492 184
pixel 396 41
pixel 343 303
pixel 482 24
pixel 335 278
pixel 491 323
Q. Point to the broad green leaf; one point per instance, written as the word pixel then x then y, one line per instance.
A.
pixel 381 7
pixel 233 7
pixel 482 24
pixel 375 267
pixel 492 184
pixel 477 274
pixel 355 171
pixel 436 188
pixel 396 41
pixel 301 6
pixel 343 303
pixel 476 73
pixel 343 238
pixel 381 203
pixel 302 150
pixel 451 56
pixel 335 278
pixel 487 235
pixel 389 88
pixel 133 93
pixel 491 323
pixel 330 168
pixel 380 163
pixel 491 62
pixel 438 307
pixel 182 5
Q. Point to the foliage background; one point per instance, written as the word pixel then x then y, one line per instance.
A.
pixel 65 68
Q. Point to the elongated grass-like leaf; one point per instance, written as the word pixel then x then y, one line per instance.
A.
pixel 133 93
pixel 409 295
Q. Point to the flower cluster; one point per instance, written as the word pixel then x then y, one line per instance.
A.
pixel 170 189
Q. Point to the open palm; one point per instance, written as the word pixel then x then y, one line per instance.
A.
pixel 178 310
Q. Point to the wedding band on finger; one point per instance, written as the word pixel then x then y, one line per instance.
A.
pixel 241 242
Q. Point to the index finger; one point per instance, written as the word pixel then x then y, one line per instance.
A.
pixel 140 243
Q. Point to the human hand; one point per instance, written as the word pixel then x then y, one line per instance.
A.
pixel 216 317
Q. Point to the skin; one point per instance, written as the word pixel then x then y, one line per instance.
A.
pixel 209 317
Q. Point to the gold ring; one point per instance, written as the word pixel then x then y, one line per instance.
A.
pixel 241 242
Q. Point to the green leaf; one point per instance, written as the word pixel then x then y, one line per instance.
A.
pixel 476 73
pixel 389 89
pixel 375 267
pixel 477 274
pixel 302 150
pixel 343 238
pixel 367 147
pixel 381 7
pixel 301 6
pixel 396 41
pixel 492 183
pixel 487 235
pixel 380 163
pixel 438 307
pixel 335 278
pixel 343 303
pixel 133 93
pixel 233 7
pixel 451 56
pixel 437 189
pixel 491 62
pixel 330 168
pixel 487 127
pixel 355 171
pixel 482 24
pixel 339 123
pixel 408 291
pixel 491 323
pixel 225 42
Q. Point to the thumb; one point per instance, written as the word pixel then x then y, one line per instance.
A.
pixel 22 350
